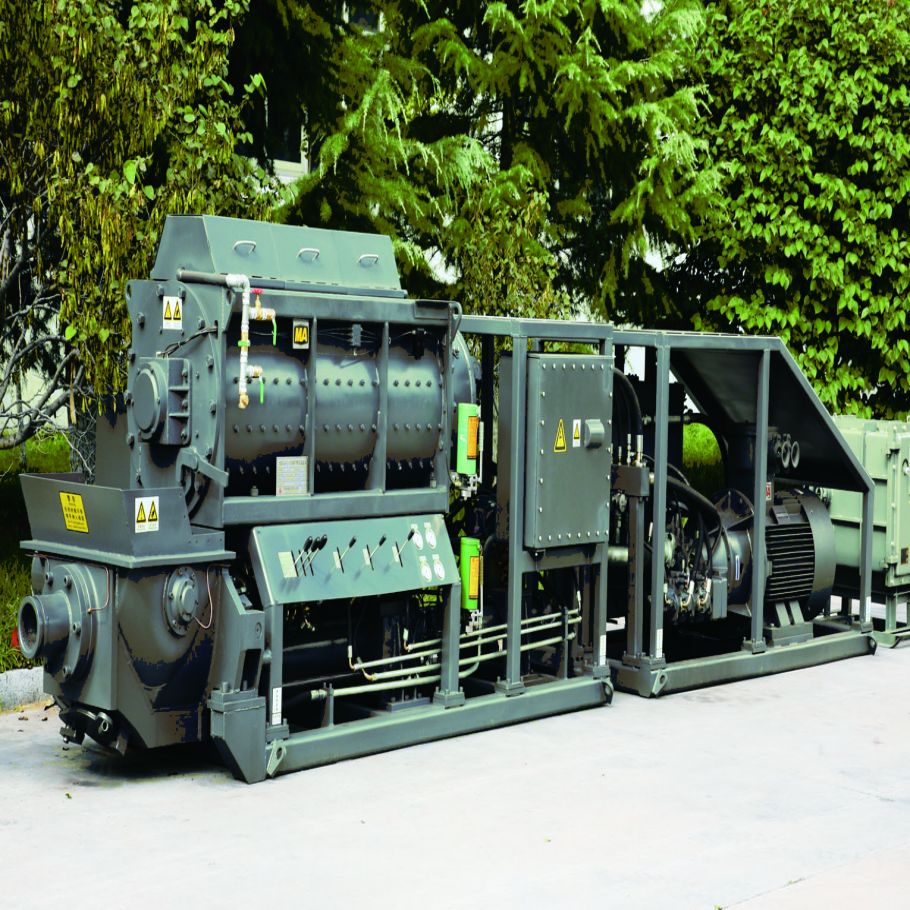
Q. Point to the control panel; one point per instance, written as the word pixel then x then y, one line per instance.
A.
pixel 353 558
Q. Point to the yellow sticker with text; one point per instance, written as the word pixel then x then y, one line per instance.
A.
pixel 74 512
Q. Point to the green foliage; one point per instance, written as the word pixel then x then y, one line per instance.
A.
pixel 504 270
pixel 701 459
pixel 699 445
pixel 45 454
pixel 112 115
pixel 808 113
pixel 459 119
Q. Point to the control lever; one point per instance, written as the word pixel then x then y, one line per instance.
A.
pixel 339 556
pixel 397 551
pixel 317 546
pixel 306 546
pixel 370 555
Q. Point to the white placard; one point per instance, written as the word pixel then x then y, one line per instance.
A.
pixel 276 706
pixel 291 476
pixel 286 560
pixel 146 514
pixel 172 313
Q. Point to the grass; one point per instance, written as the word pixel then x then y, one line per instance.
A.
pixel 45 454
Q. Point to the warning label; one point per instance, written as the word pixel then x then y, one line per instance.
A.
pixel 73 512
pixel 560 437
pixel 172 317
pixel 146 514
pixel 301 334
pixel 576 432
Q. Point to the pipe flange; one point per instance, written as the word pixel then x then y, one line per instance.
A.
pixel 180 600
pixel 55 625
pixel 150 400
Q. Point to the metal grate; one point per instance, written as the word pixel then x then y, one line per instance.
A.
pixel 791 550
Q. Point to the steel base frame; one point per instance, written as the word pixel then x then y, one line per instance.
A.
pixel 382 733
pixel 706 671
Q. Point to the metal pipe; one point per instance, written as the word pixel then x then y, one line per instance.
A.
pixel 547 641
pixel 530 625
pixel 243 283
pixel 362 666
pixel 426 680
pixel 392 674
pixel 379 687
pixel 557 623
pixel 382 661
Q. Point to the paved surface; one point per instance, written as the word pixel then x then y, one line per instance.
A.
pixel 785 792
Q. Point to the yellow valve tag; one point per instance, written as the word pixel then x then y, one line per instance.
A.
pixel 301 339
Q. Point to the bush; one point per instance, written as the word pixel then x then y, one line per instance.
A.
pixel 44 454
pixel 701 459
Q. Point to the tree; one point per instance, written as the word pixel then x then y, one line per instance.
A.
pixel 112 115
pixel 586 102
pixel 357 91
pixel 455 112
pixel 809 115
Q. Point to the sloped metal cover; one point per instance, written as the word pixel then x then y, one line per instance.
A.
pixel 332 260
pixel 721 375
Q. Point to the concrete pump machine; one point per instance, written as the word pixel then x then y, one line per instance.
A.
pixel 330 520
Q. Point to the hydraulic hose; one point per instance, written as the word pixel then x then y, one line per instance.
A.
pixel 630 397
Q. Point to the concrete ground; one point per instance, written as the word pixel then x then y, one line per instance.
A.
pixel 785 792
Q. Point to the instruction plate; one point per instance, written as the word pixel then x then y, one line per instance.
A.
pixel 74 512
pixel 291 476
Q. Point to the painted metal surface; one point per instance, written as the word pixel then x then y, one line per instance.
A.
pixel 279 574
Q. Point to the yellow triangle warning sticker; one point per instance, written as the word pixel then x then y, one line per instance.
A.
pixel 153 512
pixel 560 437
pixel 167 311
pixel 576 432
pixel 176 310
pixel 140 518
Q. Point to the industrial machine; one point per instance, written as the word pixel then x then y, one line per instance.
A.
pixel 330 520
pixel 737 582
pixel 883 447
